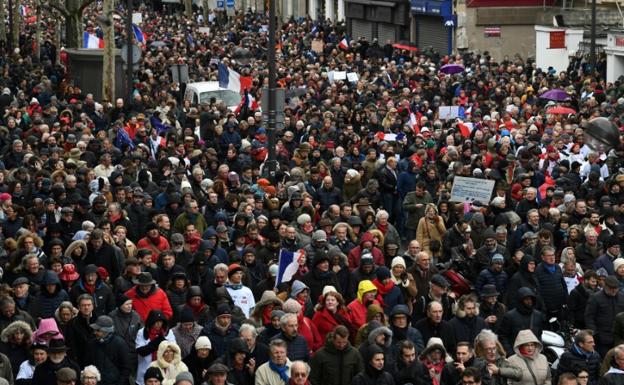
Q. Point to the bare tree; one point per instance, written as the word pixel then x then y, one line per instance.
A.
pixel 71 11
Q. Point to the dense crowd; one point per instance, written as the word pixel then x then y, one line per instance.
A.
pixel 142 238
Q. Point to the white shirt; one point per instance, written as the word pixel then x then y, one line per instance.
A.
pixel 243 298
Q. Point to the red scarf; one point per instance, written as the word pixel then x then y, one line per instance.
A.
pixel 381 228
pixel 197 308
pixel 523 351
pixel 381 288
pixel 153 334
pixel 89 288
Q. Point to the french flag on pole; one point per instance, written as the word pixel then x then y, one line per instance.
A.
pixel 288 265
pixel 138 34
pixel 24 10
pixel 344 43
pixel 91 41
pixel 228 78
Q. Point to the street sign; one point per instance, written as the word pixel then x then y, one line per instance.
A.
pixel 230 3
pixel 220 4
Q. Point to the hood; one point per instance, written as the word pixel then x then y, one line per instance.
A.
pixel 297 287
pixel 436 343
pixel 524 337
pixel 372 335
pixel 47 325
pixel 367 237
pixel 524 263
pixel 161 350
pixel 401 310
pixel 352 178
pixel 13 327
pixel 524 292
pixel 72 246
pixel 364 287
pixel 237 345
pixel 51 278
pixel 153 316
pixel 372 310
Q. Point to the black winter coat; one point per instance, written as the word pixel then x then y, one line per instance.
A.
pixel 45 373
pixel 330 366
pixel 600 313
pixel 414 374
pixel 443 330
pixel 552 287
pixel 517 319
pixel 112 358
pixel 575 358
pixel 577 302
pixel 612 378
pixel 316 281
pixel 383 378
pixel 466 329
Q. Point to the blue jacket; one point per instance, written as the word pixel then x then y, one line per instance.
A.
pixel 488 277
pixel 605 261
pixel 220 341
pixel 297 347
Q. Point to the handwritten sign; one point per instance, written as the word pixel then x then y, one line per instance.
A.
pixel 557 40
pixel 471 189
pixel 448 112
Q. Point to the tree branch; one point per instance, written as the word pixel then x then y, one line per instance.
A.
pixel 84 5
pixel 57 7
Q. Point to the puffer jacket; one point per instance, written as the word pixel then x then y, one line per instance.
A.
pixel 48 302
pixel 600 313
pixel 169 370
pixel 535 369
pixel 575 357
pixel 466 328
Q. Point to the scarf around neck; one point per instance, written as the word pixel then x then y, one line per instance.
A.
pixel 280 370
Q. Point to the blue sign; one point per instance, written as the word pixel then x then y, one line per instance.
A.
pixel 220 4
pixel 442 8
pixel 230 3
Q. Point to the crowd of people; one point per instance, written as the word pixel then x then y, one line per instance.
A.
pixel 142 238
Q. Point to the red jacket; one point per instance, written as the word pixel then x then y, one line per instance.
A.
pixel 156 300
pixel 308 330
pixel 326 322
pixel 155 247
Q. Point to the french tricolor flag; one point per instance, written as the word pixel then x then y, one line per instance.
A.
pixel 24 10
pixel 248 102
pixel 91 41
pixel 288 265
pixel 344 43
pixel 138 34
pixel 228 78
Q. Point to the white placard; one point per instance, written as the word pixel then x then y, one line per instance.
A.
pixel 137 18
pixel 204 30
pixel 353 77
pixel 448 112
pixel 390 137
pixel 340 75
pixel 471 189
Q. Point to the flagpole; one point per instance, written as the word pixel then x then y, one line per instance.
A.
pixel 108 67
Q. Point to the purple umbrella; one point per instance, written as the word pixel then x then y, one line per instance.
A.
pixel 556 94
pixel 452 69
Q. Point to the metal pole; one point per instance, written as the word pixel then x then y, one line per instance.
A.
pixel 592 47
pixel 129 64
pixel 108 67
pixel 272 123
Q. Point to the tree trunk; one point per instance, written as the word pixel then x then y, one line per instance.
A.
pixel 205 11
pixel 108 66
pixel 73 33
pixel 16 23
pixel 38 26
pixel 3 16
pixel 188 9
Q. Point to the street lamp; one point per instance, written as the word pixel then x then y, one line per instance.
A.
pixel 272 107
pixel 129 48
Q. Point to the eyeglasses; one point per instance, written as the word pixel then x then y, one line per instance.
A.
pixel 298 374
pixel 90 378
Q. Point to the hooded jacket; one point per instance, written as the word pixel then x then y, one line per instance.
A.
pixel 169 370
pixel 370 375
pixel 376 329
pixel 145 347
pixel 356 253
pixel 330 366
pixel 523 278
pixel 48 302
pixel 112 357
pixel 535 368
pixel 357 308
pixel 155 300
pixel 16 353
pixel 521 318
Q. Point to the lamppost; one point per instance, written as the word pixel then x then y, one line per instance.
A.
pixel 10 32
pixel 272 107
pixel 129 48
pixel 592 47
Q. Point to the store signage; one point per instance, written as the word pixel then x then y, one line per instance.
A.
pixel 557 40
pixel 492 31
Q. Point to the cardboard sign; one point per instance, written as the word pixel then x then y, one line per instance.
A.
pixel 317 46
pixel 353 77
pixel 204 30
pixel 137 18
pixel 557 40
pixel 448 112
pixel 471 189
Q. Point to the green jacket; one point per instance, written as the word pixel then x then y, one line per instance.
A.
pixel 415 213
pixel 330 366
